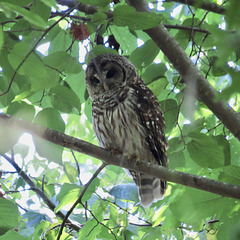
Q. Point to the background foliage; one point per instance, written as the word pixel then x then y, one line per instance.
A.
pixel 42 62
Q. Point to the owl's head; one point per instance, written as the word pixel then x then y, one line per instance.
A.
pixel 107 72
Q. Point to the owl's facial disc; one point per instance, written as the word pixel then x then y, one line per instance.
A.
pixel 108 76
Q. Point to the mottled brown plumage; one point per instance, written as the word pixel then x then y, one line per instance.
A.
pixel 127 117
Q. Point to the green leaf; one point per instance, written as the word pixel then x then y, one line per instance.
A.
pixel 65 100
pixel 194 127
pixel 158 85
pixel 33 68
pixel 230 174
pixel 63 62
pixel 170 110
pixel 229 228
pixel 98 50
pixel 27 15
pixel 9 214
pixel 125 191
pixel 206 151
pixel 100 3
pixel 233 88
pixel 12 235
pixel 1 39
pixel 153 233
pixel 128 42
pixel 127 16
pixel 142 57
pixel 70 192
pixel 68 195
pixel 77 84
pixel 90 230
pixel 195 205
pixel 49 3
pixel 21 110
pixel 9 136
pixel 49 118
pixel 154 72
pixel 71 172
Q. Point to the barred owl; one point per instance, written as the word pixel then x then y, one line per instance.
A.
pixel 127 118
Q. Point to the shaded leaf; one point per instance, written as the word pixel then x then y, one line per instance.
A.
pixel 154 72
pixel 65 100
pixel 100 3
pixel 205 151
pixel 63 62
pixel 230 174
pixel 142 57
pixel 1 39
pixel 125 191
pixel 170 110
pixel 127 16
pixel 21 110
pixel 194 205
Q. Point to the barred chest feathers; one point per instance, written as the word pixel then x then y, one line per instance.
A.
pixel 116 123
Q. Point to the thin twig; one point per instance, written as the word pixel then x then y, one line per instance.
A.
pixel 98 221
pixel 79 199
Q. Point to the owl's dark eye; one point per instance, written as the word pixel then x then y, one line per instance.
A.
pixel 111 72
pixel 95 80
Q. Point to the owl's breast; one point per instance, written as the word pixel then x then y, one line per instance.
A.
pixel 117 125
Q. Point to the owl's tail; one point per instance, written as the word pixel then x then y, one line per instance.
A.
pixel 150 189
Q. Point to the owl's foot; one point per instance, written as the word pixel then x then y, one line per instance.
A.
pixel 133 157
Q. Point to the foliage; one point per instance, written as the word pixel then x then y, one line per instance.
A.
pixel 42 80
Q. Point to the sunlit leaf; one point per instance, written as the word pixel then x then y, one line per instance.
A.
pixel 9 215
pixel 49 118
pixel 12 235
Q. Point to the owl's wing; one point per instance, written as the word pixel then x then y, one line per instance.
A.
pixel 151 117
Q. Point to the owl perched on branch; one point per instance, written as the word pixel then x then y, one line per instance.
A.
pixel 127 118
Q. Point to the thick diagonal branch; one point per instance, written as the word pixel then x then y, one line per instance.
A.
pixel 190 73
pixel 220 188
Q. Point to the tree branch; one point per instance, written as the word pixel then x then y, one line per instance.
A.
pixel 209 6
pixel 190 73
pixel 38 191
pixel 213 186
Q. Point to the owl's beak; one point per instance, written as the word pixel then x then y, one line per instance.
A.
pixel 105 86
